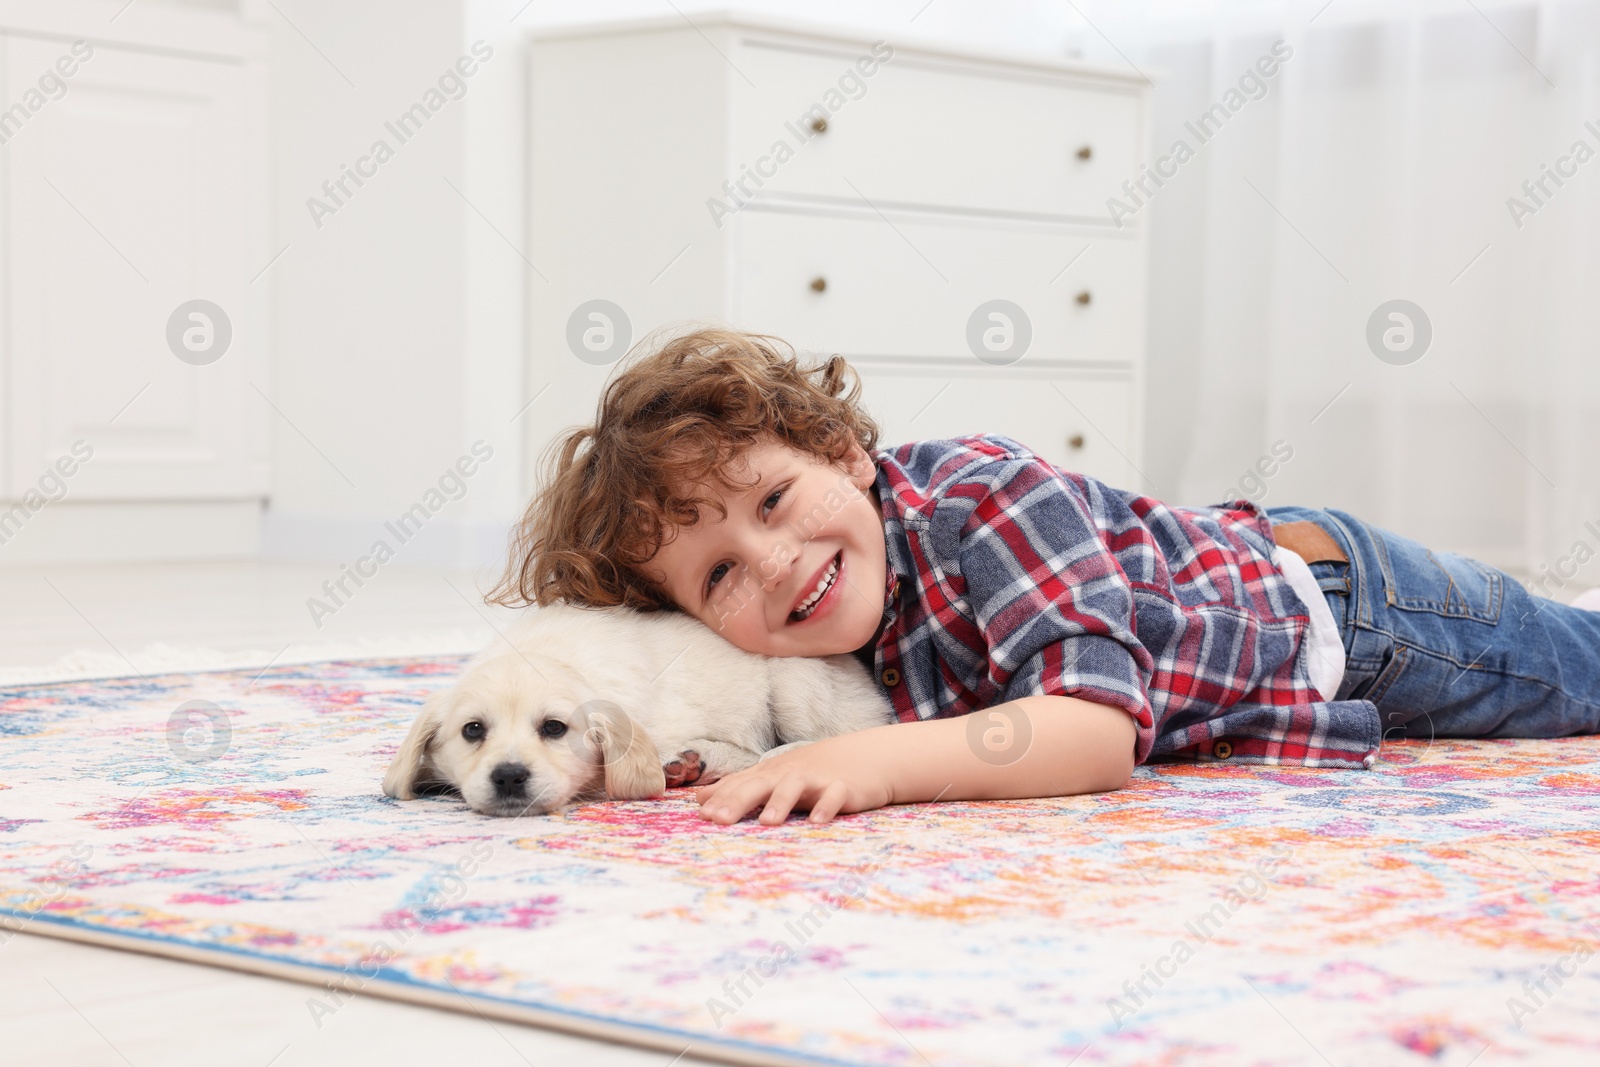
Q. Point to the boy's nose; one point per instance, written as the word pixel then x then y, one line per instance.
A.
pixel 775 566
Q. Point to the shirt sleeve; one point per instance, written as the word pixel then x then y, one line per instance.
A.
pixel 1054 606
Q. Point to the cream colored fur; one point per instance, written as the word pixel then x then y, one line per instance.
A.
pixel 634 691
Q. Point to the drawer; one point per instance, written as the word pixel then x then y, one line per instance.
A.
pixel 1083 425
pixel 860 286
pixel 919 132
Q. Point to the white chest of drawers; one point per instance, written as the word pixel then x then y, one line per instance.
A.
pixel 865 197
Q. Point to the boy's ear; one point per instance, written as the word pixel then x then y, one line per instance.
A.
pixel 860 468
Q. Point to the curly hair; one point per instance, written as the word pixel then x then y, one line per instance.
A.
pixel 673 421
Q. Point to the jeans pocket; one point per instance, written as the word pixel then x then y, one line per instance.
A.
pixel 1444 583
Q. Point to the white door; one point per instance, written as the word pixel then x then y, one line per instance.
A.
pixel 125 199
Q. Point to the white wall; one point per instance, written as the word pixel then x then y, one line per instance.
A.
pixel 398 327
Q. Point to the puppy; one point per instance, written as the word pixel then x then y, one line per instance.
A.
pixel 585 703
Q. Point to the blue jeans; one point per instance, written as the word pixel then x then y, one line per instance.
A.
pixel 1446 646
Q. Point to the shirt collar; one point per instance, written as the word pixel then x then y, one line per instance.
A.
pixel 897 549
pixel 891 588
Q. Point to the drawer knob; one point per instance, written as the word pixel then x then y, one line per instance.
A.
pixel 819 125
pixel 1075 441
pixel 1083 297
pixel 1085 152
pixel 819 284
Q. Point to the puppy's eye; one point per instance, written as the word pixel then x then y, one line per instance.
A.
pixel 473 731
pixel 552 728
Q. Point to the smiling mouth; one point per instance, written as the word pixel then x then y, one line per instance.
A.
pixel 803 610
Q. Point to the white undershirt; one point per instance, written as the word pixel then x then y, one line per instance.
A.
pixel 1324 649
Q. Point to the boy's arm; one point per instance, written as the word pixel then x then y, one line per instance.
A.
pixel 1058 746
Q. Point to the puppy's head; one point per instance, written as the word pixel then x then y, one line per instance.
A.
pixel 518 739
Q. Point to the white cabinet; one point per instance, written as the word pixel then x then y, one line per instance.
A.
pixel 1077 422
pixel 868 198
pixel 132 187
pixel 935 130
pixel 856 286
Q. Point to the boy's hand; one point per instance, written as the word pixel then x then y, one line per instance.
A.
pixel 828 778
pixel 1058 746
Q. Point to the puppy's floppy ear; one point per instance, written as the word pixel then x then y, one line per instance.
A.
pixel 633 766
pixel 408 771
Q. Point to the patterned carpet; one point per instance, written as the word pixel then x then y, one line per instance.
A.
pixel 1442 909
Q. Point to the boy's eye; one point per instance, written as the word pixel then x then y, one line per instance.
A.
pixel 719 572
pixel 771 501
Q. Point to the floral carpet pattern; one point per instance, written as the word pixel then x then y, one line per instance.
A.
pixel 1443 908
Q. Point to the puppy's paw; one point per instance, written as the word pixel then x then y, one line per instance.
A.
pixel 688 769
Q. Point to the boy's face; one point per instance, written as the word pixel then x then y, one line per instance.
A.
pixel 753 575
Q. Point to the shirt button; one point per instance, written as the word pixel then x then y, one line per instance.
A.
pixel 891 677
pixel 1222 750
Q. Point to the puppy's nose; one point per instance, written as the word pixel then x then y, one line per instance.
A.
pixel 510 779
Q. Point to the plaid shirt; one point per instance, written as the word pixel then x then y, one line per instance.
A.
pixel 1010 578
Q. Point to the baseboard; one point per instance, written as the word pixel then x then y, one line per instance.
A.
pixel 146 530
pixel 444 541
pixel 107 531
pixel 158 659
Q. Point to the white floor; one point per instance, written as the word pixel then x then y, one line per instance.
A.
pixel 63 1003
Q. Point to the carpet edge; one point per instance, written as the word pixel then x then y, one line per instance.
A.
pixel 424 996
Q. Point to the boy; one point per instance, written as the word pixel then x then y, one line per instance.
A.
pixel 1088 628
